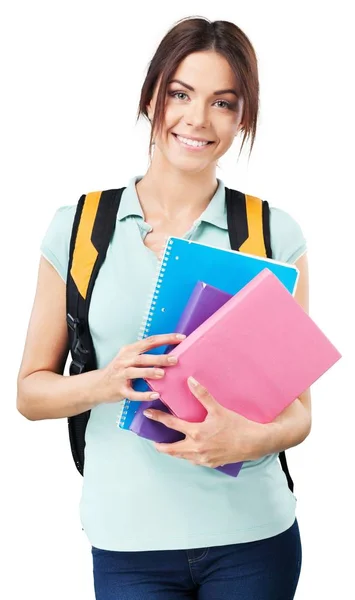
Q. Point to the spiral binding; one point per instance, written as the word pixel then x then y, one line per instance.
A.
pixel 144 330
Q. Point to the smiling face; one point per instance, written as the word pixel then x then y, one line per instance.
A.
pixel 193 109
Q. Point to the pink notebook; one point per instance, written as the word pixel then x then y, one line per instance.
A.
pixel 255 355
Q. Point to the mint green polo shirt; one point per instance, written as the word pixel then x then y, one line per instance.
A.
pixel 133 497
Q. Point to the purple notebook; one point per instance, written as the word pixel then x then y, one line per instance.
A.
pixel 204 301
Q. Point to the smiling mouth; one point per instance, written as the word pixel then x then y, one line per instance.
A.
pixel 175 135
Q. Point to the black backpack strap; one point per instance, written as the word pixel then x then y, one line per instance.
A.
pixel 283 461
pixel 236 218
pixel 239 216
pixel 93 227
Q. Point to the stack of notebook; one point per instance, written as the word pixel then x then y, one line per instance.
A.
pixel 249 342
pixel 183 264
pixel 204 301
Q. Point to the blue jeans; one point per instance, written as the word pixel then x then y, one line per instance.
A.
pixel 267 569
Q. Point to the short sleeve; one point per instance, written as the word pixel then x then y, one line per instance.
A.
pixel 287 240
pixel 56 241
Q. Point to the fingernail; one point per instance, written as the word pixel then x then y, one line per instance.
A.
pixel 159 372
pixel 193 381
pixel 154 396
pixel 180 336
pixel 147 413
pixel 172 360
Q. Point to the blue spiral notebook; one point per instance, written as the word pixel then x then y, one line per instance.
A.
pixel 183 263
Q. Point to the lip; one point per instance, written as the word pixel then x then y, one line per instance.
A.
pixel 194 139
pixel 191 148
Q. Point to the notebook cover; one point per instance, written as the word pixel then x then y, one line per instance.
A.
pixel 255 355
pixel 183 264
pixel 204 301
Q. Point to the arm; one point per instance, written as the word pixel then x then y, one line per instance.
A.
pixel 42 390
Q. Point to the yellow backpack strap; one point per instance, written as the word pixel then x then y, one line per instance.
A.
pixel 85 253
pixel 255 243
pixel 248 223
pixel 93 227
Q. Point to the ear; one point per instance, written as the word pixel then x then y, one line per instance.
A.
pixel 241 125
pixel 150 110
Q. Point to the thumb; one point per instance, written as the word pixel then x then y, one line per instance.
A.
pixel 202 394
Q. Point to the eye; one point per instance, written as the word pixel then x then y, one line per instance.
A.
pixel 227 104
pixel 174 94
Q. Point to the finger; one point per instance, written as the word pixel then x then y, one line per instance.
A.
pixel 155 341
pixel 143 373
pixel 202 394
pixel 179 449
pixel 170 421
pixel 154 360
pixel 131 394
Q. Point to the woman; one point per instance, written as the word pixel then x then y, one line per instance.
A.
pixel 161 521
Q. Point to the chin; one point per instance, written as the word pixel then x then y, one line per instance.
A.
pixel 187 164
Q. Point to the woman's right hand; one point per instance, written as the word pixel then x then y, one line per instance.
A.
pixel 43 391
pixel 131 363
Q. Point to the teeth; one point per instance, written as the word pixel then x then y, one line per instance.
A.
pixel 191 142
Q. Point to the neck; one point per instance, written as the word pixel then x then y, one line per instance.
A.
pixel 173 192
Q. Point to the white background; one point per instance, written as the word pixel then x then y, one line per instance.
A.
pixel 71 75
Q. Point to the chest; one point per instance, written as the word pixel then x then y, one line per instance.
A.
pixel 126 279
pixel 162 229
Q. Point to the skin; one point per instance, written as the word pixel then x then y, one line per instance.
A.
pixel 175 190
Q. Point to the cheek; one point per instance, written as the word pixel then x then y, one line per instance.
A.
pixel 171 118
pixel 225 127
pixel 227 132
pixel 224 140
pixel 228 126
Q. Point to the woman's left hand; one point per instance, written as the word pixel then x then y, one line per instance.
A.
pixel 223 437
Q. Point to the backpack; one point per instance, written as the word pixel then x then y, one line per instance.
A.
pixel 248 221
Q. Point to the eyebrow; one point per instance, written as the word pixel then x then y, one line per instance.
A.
pixel 217 93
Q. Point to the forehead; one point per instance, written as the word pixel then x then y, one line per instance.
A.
pixel 206 70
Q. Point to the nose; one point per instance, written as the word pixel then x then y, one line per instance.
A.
pixel 196 115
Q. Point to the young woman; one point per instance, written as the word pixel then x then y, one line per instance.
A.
pixel 162 523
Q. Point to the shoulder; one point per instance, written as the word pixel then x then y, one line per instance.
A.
pixel 288 242
pixel 62 219
pixel 56 241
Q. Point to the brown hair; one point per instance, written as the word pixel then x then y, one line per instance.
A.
pixel 195 34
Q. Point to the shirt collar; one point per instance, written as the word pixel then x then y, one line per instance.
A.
pixel 215 213
pixel 130 205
